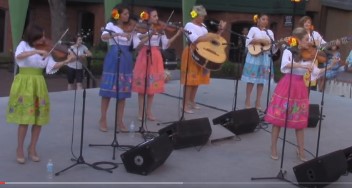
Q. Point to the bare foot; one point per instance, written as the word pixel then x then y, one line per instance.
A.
pixel 121 127
pixel 103 126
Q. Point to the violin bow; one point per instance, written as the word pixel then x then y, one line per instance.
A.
pixel 167 21
pixel 57 42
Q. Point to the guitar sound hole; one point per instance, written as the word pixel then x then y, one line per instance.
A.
pixel 214 42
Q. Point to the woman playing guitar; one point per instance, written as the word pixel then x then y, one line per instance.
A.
pixel 315 39
pixel 256 67
pixel 196 75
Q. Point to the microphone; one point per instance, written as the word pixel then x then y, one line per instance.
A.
pixel 285 46
pixel 66 42
pixel 213 23
pixel 107 30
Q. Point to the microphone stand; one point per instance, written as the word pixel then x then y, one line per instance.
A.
pixel 270 69
pixel 281 174
pixel 243 59
pixel 185 88
pixel 145 133
pixel 80 160
pixel 114 144
pixel 321 110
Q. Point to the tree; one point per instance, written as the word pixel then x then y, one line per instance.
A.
pixel 58 18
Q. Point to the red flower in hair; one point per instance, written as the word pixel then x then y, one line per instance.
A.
pixel 144 16
pixel 115 14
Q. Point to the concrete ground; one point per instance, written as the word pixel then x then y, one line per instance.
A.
pixel 219 163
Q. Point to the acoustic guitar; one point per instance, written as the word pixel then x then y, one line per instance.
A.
pixel 211 54
pixel 256 49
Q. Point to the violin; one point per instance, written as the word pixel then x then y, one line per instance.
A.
pixel 58 51
pixel 158 27
pixel 310 53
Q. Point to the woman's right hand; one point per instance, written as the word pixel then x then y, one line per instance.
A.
pixel 42 53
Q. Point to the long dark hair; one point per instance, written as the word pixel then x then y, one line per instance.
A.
pixel 32 33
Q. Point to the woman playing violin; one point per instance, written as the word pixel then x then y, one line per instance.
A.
pixel 29 100
pixel 298 105
pixel 117 84
pixel 150 66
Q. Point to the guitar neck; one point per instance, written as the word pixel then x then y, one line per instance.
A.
pixel 342 40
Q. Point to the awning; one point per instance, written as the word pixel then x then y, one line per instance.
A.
pixel 340 4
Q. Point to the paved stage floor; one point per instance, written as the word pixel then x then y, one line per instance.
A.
pixel 220 163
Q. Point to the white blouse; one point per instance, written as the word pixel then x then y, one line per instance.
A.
pixel 256 33
pixel 317 37
pixel 155 40
pixel 119 40
pixel 287 59
pixel 34 61
pixel 195 30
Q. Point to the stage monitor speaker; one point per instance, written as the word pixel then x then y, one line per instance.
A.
pixel 239 121
pixel 322 170
pixel 188 133
pixel 314 115
pixel 348 155
pixel 147 156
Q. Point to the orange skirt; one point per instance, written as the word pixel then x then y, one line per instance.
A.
pixel 155 72
pixel 197 75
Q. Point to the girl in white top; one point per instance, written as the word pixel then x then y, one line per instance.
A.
pixel 150 66
pixel 75 71
pixel 116 79
pixel 257 67
pixel 291 88
pixel 315 39
pixel 29 99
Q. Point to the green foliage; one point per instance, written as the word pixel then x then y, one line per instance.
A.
pixel 229 70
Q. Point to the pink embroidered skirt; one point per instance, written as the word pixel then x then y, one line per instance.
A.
pixel 298 105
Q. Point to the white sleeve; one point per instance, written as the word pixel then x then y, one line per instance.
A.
pixel 50 66
pixel 135 40
pixel 20 48
pixel 164 42
pixel 250 36
pixel 193 36
pixel 286 59
pixel 109 26
pixel 318 37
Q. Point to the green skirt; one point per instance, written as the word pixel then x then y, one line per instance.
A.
pixel 29 98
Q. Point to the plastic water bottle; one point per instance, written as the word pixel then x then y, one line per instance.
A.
pixel 50 169
pixel 132 129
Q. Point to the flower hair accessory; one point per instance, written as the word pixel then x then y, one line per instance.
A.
pixel 144 16
pixel 255 18
pixel 194 14
pixel 292 41
pixel 115 14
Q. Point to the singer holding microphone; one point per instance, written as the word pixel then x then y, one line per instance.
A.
pixel 118 33
pixel 75 71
